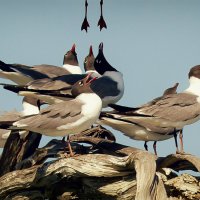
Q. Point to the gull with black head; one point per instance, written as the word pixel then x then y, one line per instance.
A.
pixel 68 117
pixel 109 87
pixel 163 117
pixel 22 74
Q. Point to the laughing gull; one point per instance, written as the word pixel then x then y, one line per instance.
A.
pixel 30 106
pixel 52 85
pixel 22 74
pixel 89 64
pixel 171 90
pixel 163 117
pixel 68 117
pixel 110 86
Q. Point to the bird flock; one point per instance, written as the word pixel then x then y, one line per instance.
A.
pixel 76 101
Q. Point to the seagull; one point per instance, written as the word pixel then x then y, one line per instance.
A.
pixel 171 90
pixel 109 86
pixel 163 117
pixel 68 117
pixel 22 74
pixel 89 64
pixel 31 106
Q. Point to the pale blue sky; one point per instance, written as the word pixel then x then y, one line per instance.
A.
pixel 153 43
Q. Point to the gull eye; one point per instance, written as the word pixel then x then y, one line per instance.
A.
pixel 81 83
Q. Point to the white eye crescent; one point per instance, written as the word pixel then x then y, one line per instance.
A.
pixel 81 83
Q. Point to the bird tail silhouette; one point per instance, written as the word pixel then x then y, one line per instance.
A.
pixel 5 67
pixel 13 88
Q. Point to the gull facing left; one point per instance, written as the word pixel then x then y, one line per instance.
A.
pixel 69 117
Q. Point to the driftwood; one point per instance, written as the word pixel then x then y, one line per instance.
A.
pixel 19 148
pixel 102 169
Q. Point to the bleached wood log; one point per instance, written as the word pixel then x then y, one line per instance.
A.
pixel 106 170
pixel 136 163
pixel 17 149
pixel 180 162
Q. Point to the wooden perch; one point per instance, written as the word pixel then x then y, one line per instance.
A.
pixel 102 169
pixel 180 162
pixel 17 149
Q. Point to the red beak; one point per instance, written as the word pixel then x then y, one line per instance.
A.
pixel 91 51
pixel 93 79
pixel 73 49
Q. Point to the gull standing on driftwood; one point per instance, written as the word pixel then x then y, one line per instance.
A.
pixel 68 117
pixel 162 118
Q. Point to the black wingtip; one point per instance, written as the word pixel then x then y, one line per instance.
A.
pixel 120 108
pixel 5 67
pixel 4 125
pixel 12 88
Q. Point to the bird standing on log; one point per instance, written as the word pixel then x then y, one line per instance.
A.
pixel 162 118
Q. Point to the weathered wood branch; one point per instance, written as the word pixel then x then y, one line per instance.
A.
pixel 180 162
pixel 109 171
pixel 101 170
pixel 17 149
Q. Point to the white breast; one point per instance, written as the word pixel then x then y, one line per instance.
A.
pixel 73 69
pixel 29 109
pixel 93 73
pixel 90 113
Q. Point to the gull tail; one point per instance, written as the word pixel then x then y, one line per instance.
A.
pixel 120 108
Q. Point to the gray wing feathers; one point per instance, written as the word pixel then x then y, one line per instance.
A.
pixel 10 116
pixel 58 83
pixel 54 116
pixel 50 70
pixel 175 107
pixel 48 84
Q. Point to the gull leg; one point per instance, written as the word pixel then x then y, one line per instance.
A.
pixel 175 138
pixel 146 146
pixel 69 147
pixel 154 147
pixel 181 141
